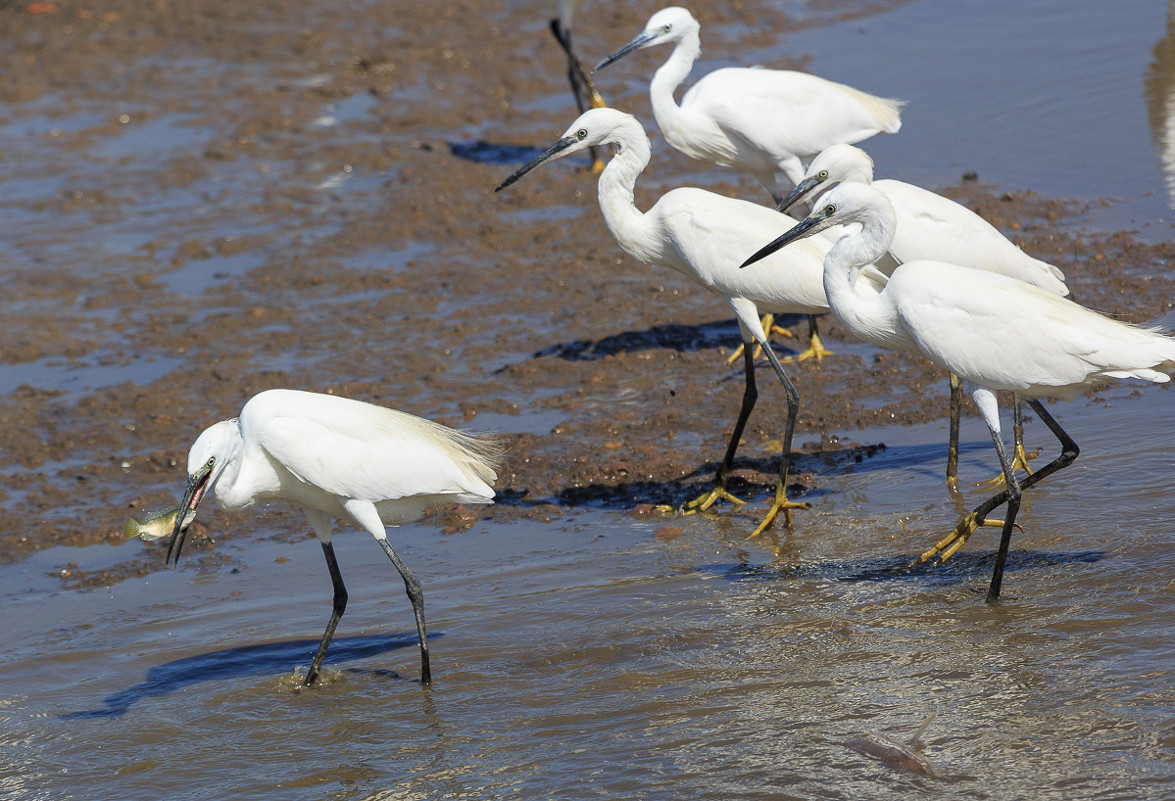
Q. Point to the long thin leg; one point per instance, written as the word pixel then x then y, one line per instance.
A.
pixel 1020 456
pixel 953 432
pixel 416 596
pixel 586 94
pixel 340 606
pixel 781 502
pixel 946 547
pixel 750 395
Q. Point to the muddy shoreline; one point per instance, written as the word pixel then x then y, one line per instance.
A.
pixel 208 199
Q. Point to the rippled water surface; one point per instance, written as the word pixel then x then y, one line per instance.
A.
pixel 601 656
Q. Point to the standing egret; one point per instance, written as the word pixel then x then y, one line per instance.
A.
pixel 699 234
pixel 992 331
pixel 758 121
pixel 932 227
pixel 338 458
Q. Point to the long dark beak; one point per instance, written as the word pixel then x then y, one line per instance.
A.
pixel 799 231
pixel 636 44
pixel 554 151
pixel 799 193
pixel 192 498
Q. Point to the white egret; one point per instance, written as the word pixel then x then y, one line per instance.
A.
pixel 930 226
pixel 994 332
pixel 700 234
pixel 758 121
pixel 338 458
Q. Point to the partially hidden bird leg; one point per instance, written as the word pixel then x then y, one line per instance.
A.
pixel 770 327
pixel 339 606
pixel 781 502
pixel 1020 457
pixel 946 547
pixel 816 349
pixel 953 432
pixel 718 490
pixel 582 86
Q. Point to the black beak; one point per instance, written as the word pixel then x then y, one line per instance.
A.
pixel 798 194
pixel 636 44
pixel 554 151
pixel 798 231
pixel 192 498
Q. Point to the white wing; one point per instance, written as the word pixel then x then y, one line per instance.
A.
pixel 366 452
pixel 933 227
pixel 1003 334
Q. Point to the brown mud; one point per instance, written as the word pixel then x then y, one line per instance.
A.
pixel 371 258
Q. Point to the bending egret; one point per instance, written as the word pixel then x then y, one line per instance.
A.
pixel 758 121
pixel 929 226
pixel 992 331
pixel 338 458
pixel 698 234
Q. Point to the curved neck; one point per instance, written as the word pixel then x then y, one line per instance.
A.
pixel 870 316
pixel 617 190
pixel 669 77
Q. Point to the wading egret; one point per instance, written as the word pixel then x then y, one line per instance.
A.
pixel 338 458
pixel 992 331
pixel 758 121
pixel 930 226
pixel 700 234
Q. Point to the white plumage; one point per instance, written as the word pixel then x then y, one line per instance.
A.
pixel 758 121
pixel 701 235
pixel 994 332
pixel 338 458
pixel 929 226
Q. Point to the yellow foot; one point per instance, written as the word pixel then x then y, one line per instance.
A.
pixel 707 499
pixel 770 327
pixel 1019 462
pixel 784 506
pixel 945 548
pixel 597 166
pixel 597 99
pixel 816 350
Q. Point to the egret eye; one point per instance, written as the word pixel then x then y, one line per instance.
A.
pixel 822 175
pixel 829 210
pixel 211 461
pixel 581 133
pixel 666 29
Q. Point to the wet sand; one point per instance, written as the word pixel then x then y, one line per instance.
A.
pixel 273 196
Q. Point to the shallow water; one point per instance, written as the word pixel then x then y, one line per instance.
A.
pixel 597 655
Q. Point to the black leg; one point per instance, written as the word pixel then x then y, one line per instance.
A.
pixel 340 606
pixel 416 596
pixel 793 410
pixel 582 87
pixel 953 431
pixel 1013 493
pixel 750 395
pixel 1069 452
